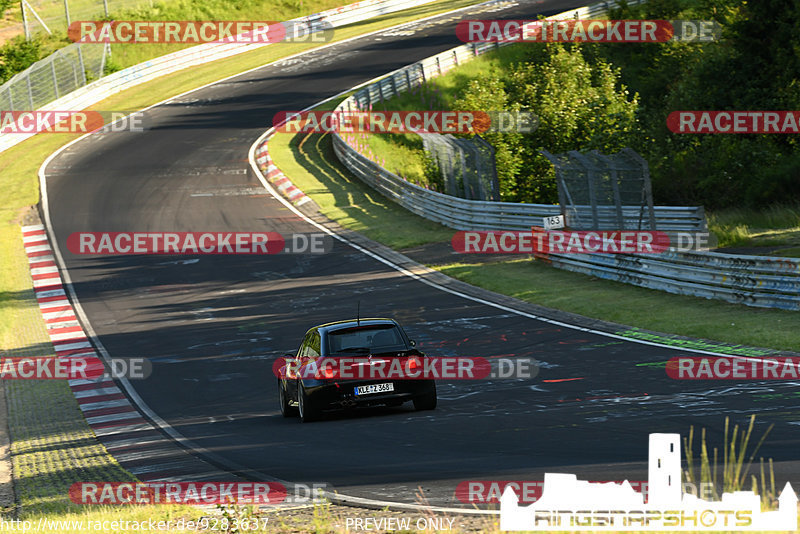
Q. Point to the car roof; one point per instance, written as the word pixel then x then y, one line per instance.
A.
pixel 370 321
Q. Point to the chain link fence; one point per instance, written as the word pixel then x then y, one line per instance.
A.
pixel 467 166
pixel 56 75
pixel 598 191
pixel 55 15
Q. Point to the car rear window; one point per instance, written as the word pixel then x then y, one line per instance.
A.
pixel 372 338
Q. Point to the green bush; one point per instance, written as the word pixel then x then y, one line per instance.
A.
pixel 17 55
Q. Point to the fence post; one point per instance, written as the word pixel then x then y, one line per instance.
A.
pixel 25 20
pixel 75 74
pixel 80 61
pixel 55 78
pixel 66 11
pixel 30 91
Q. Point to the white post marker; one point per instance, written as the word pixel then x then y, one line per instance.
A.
pixel 553 223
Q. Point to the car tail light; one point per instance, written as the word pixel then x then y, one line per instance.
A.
pixel 328 372
pixel 413 363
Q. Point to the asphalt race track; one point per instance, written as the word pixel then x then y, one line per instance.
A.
pixel 213 325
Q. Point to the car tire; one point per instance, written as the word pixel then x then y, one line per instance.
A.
pixel 308 412
pixel 426 401
pixel 287 410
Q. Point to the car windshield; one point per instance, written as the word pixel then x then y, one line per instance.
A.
pixel 366 339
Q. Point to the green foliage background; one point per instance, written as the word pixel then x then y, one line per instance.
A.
pixel 607 96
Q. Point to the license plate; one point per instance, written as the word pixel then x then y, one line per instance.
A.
pixel 374 388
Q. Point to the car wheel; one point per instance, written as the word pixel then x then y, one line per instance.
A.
pixel 287 410
pixel 308 412
pixel 426 401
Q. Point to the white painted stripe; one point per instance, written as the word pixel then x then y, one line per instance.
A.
pixel 133 414
pixel 35 238
pixel 82 354
pixel 148 454
pixel 41 259
pixel 132 442
pixel 59 314
pixel 53 304
pixel 83 382
pixel 110 431
pixel 77 345
pixel 116 403
pixel 303 201
pixel 104 404
pixel 37 248
pixel 50 293
pixel 44 270
pixel 63 336
pixel 96 392
pixel 44 282
pixel 32 227
pixel 63 324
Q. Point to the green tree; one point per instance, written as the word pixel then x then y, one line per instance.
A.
pixel 579 106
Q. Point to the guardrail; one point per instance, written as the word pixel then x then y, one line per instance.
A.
pixel 752 280
pixel 98 90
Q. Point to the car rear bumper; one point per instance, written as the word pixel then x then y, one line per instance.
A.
pixel 342 394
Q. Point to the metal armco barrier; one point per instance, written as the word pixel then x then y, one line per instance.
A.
pixel 752 280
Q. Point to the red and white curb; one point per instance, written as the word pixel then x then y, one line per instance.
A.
pixel 274 175
pixel 132 440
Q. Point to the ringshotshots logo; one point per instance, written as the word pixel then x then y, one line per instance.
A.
pixel 125 243
pixel 80 122
pixel 722 368
pixel 405 368
pixel 567 503
pixel 587 31
pixel 400 122
pixel 734 122
pixel 198 31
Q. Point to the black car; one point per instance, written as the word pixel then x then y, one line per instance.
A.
pixel 367 341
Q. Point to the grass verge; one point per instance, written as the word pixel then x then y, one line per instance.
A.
pixel 51 444
pixel 311 165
